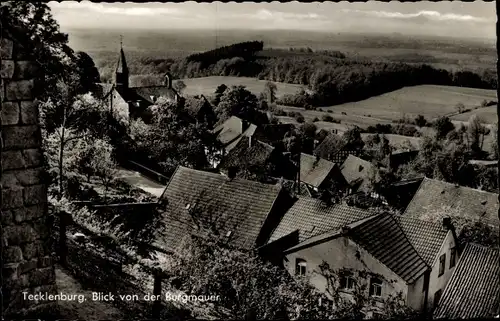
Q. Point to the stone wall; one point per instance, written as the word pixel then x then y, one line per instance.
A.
pixel 26 256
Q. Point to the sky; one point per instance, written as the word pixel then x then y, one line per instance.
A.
pixel 446 18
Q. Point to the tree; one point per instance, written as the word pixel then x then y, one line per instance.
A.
pixel 352 138
pixel 420 121
pixel 443 126
pixel 179 86
pixel 460 108
pixel 494 144
pixel 103 164
pixel 239 102
pixel 477 131
pixel 218 93
pixel 270 91
pixel 88 73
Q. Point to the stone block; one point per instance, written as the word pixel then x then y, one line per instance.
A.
pixel 12 254
pixel 36 194
pixel 28 266
pixel 7 71
pixel 29 213
pixel 12 198
pixel 29 112
pixel 21 137
pixel 6 218
pixel 21 234
pixel 25 70
pixel 33 157
pixel 41 276
pixel 6 48
pixel 13 159
pixel 10 113
pixel 19 89
pixel 23 177
pixel 41 228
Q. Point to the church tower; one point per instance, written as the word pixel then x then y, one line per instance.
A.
pixel 121 72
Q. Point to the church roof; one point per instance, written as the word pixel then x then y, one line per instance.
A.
pixel 121 66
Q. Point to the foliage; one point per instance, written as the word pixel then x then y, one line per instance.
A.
pixel 443 126
pixel 270 91
pixel 420 121
pixel 172 139
pixel 239 102
pixel 352 138
pixel 179 86
pixel 477 132
pixel 244 49
pixel 476 232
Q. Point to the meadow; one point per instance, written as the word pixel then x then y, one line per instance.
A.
pixel 207 85
pixel 487 115
pixel 431 101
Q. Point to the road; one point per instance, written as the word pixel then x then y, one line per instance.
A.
pixel 138 180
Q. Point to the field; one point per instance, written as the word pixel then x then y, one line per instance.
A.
pixel 207 85
pixel 428 100
pixel 487 115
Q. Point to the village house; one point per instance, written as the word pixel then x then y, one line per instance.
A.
pixel 390 256
pixel 435 198
pixel 200 110
pixel 473 290
pixel 358 174
pixel 257 158
pixel 335 149
pixel 129 102
pixel 320 174
pixel 243 211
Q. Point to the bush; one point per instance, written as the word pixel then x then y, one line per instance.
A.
pixel 315 119
pixel 299 118
pixel 329 111
pixel 420 121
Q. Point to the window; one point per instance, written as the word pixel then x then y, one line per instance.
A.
pixel 442 263
pixel 437 297
pixel 453 257
pixel 300 267
pixel 347 282
pixel 375 287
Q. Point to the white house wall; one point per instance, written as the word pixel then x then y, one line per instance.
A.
pixel 435 282
pixel 340 254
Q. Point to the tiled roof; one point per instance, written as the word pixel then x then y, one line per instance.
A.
pixel 314 170
pixel 195 104
pixel 383 237
pixel 330 145
pixel 237 206
pixel 232 130
pixel 426 237
pixel 313 217
pixel 435 198
pixel 473 290
pixel 272 133
pixel 152 93
pixel 102 90
pixel 357 172
pixel 243 155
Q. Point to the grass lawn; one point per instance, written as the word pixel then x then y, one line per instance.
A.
pixel 207 85
pixel 487 115
pixel 431 101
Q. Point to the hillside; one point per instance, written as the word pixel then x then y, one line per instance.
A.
pixel 207 85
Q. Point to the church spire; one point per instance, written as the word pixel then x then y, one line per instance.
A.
pixel 121 72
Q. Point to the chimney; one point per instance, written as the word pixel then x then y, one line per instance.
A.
pixel 447 223
pixel 231 172
pixel 168 81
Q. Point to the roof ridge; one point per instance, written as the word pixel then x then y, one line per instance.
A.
pixel 457 185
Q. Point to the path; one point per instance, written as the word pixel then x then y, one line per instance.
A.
pixel 143 182
pixel 88 310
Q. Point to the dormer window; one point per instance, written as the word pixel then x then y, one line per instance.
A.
pixel 300 267
pixel 361 168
